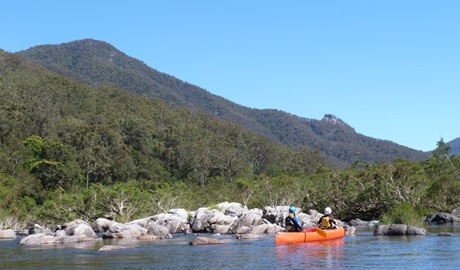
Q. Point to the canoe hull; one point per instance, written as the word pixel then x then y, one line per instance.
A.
pixel 301 237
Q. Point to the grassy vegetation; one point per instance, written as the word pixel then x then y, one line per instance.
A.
pixel 404 213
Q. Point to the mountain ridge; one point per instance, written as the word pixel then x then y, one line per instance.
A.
pixel 99 63
pixel 455 146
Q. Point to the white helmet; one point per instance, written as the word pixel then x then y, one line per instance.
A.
pixel 327 211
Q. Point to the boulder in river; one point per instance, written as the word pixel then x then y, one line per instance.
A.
pixel 38 239
pixel 213 221
pixel 7 234
pixel 248 236
pixel 101 225
pixel 111 247
pixel 73 232
pixel 442 217
pixel 252 217
pixel 362 223
pixel 125 231
pixel 200 220
pixel 79 228
pixel 266 228
pixel 456 212
pixel 350 230
pixel 398 229
pixel 199 240
pixel 232 209
pixel 37 228
pixel 173 222
pixel 444 234
pixel 159 231
pixel 180 212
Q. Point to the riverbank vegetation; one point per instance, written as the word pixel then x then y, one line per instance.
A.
pixel 69 150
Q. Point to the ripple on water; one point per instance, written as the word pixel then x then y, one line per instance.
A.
pixel 353 252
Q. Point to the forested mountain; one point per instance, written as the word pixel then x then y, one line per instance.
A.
pixel 99 63
pixel 72 150
pixel 455 144
pixel 59 135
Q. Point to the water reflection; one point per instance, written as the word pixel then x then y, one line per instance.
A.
pixel 323 254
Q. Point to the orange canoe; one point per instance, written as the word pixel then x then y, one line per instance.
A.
pixel 301 237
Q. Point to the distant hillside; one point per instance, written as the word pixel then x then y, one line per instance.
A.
pixel 100 63
pixel 455 144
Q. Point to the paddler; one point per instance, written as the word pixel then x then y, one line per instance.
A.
pixel 292 222
pixel 326 221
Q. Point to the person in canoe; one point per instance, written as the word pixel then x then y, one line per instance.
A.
pixel 292 222
pixel 326 221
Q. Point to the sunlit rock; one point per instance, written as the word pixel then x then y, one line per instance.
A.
pixel 37 228
pixel 39 239
pixel 174 223
pixel 180 212
pixel 159 231
pixel 276 215
pixel 199 240
pixel 232 209
pixel 252 217
pixel 248 236
pixel 143 222
pixel 7 234
pixel 360 223
pixel 125 231
pixel 111 248
pixel 266 229
pixel 72 232
pixel 220 229
pixel 148 237
pixel 101 225
pixel 206 220
pixel 82 230
pixel 200 220
pixel 350 230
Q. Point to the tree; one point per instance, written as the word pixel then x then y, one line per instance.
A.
pixel 442 149
pixel 92 154
pixel 51 162
pixel 246 188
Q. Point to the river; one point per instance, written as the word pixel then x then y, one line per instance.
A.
pixel 362 251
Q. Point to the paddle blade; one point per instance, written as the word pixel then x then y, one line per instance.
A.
pixel 320 232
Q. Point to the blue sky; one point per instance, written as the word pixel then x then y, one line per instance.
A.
pixel 390 69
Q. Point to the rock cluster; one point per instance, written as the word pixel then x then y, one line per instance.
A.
pixel 72 232
pixel 225 218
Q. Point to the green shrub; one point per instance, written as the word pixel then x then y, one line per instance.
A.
pixel 403 213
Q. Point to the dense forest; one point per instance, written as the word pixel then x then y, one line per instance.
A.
pixel 99 63
pixel 74 150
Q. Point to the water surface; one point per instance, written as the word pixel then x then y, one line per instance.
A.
pixel 363 251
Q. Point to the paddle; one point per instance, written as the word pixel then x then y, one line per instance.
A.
pixel 320 231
